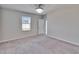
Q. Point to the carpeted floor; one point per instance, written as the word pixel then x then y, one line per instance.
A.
pixel 38 45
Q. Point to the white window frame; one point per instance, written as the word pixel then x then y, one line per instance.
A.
pixel 26 23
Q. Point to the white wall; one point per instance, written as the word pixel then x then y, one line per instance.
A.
pixel 0 26
pixel 63 23
pixel 11 25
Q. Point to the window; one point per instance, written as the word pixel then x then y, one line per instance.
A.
pixel 26 23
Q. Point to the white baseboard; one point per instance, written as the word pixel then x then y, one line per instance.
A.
pixel 58 38
pixel 3 41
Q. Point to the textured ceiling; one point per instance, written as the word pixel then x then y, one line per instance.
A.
pixel 29 7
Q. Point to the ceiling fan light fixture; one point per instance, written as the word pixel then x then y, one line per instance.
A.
pixel 39 10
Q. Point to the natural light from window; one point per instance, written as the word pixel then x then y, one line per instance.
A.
pixel 26 23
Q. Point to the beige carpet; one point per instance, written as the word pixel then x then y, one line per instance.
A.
pixel 38 45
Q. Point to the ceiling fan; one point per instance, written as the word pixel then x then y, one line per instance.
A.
pixel 39 8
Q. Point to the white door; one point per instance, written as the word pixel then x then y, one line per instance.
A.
pixel 41 26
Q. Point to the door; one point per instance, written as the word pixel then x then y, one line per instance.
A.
pixel 41 26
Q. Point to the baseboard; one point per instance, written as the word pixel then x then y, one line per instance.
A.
pixel 58 38
pixel 3 41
